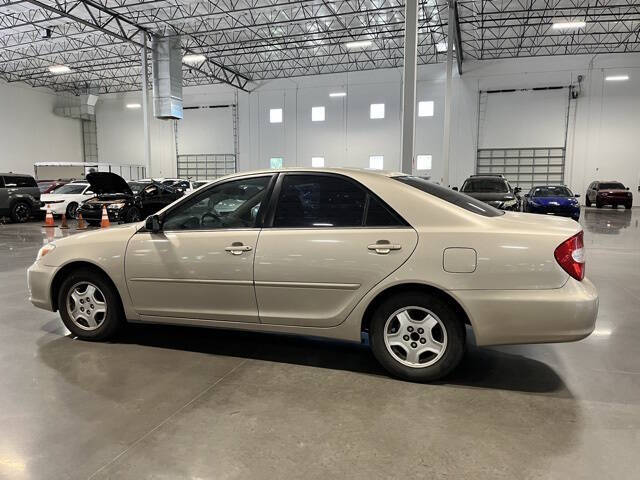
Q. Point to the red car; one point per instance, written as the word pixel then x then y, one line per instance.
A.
pixel 608 193
pixel 48 186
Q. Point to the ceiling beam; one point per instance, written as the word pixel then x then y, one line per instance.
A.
pixel 453 17
pixel 112 23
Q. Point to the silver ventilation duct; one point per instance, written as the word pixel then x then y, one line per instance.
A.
pixel 84 108
pixel 167 77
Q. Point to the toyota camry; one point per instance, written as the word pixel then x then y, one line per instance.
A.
pixel 332 253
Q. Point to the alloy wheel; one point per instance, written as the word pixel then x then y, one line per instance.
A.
pixel 86 306
pixel 415 337
pixel 21 212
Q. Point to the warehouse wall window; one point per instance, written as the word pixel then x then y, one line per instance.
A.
pixel 275 162
pixel 376 110
pixel 317 114
pixel 425 109
pixel 275 115
pixel 376 162
pixel 423 162
pixel 317 162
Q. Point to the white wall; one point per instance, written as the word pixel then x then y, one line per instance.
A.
pixel 30 132
pixel 603 130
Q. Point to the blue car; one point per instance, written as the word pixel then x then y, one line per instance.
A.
pixel 552 200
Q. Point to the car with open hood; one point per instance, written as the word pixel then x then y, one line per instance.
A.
pixel 494 190
pixel 608 193
pixel 552 200
pixel 335 253
pixel 122 204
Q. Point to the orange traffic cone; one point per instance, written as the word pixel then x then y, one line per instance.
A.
pixel 48 221
pixel 104 222
pixel 82 225
pixel 63 224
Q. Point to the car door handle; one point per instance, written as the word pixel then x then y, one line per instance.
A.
pixel 237 248
pixel 383 247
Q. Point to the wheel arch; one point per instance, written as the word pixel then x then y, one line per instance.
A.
pixel 412 287
pixel 77 265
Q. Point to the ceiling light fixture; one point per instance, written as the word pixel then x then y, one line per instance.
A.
pixel 58 69
pixel 616 78
pixel 338 94
pixel 441 47
pixel 133 105
pixel 359 44
pixel 192 58
pixel 568 25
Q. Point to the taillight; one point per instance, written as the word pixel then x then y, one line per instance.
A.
pixel 570 256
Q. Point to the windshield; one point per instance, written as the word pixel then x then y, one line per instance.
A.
pixel 71 188
pixel 611 186
pixel 44 185
pixel 551 191
pixel 458 199
pixel 485 185
pixel 136 187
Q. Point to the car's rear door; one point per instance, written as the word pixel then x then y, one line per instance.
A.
pixel 326 242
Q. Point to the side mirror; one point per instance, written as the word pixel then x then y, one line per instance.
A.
pixel 153 224
pixel 577 195
pixel 455 188
pixel 627 188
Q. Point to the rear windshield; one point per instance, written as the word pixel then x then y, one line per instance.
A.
pixel 485 185
pixel 551 191
pixel 611 186
pixel 458 199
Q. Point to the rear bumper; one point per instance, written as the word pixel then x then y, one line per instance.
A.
pixel 611 200
pixel 39 278
pixel 501 317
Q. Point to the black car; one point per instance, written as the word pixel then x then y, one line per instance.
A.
pixel 123 205
pixel 19 196
pixel 494 190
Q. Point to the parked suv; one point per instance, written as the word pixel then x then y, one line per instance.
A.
pixel 19 196
pixel 494 190
pixel 608 193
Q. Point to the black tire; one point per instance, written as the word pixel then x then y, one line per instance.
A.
pixel 598 204
pixel 133 215
pixel 587 201
pixel 72 210
pixel 20 212
pixel 111 321
pixel 453 326
pixel 627 205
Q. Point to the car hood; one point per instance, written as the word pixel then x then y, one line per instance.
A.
pixel 108 182
pixel 555 201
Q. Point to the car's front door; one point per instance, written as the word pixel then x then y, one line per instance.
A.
pixel 200 266
pixel 328 243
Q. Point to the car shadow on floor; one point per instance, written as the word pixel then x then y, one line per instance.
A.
pixel 481 367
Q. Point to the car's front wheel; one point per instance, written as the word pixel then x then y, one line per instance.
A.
pixel 417 336
pixel 20 212
pixel 89 305
pixel 72 210
pixel 587 202
pixel 133 215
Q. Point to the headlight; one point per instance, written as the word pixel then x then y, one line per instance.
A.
pixel 115 206
pixel 49 247
pixel 510 203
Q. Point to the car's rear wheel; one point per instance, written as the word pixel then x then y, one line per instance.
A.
pixel 89 306
pixel 417 336
pixel 627 205
pixel 72 210
pixel 20 212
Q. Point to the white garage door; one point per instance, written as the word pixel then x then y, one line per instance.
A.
pixel 522 135
pixel 206 142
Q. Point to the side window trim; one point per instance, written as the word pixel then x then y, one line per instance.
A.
pixel 275 196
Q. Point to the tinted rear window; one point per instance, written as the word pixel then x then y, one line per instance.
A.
pixel 551 191
pixel 485 185
pixel 611 186
pixel 458 199
pixel 19 182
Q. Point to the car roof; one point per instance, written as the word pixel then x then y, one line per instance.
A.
pixel 311 170
pixel 11 174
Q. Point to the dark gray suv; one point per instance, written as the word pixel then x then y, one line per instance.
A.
pixel 19 196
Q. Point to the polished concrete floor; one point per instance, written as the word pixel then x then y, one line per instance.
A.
pixel 174 403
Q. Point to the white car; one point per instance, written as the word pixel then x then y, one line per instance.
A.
pixel 66 199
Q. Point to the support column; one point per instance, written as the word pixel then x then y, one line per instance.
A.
pixel 409 85
pixel 446 141
pixel 145 106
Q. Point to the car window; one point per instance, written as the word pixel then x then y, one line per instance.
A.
pixel 70 188
pixel 458 199
pixel 551 191
pixel 233 204
pixel 1 182
pixel 611 186
pixel 308 201
pixel 485 185
pixel 18 182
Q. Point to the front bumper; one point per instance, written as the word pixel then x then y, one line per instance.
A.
pixel 501 317
pixel 39 278
pixel 96 214
pixel 56 208
pixel 573 212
